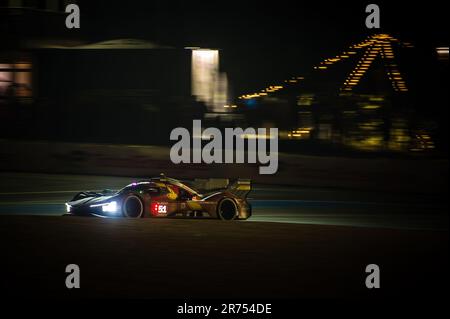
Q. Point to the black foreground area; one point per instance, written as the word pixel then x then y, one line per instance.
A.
pixel 169 258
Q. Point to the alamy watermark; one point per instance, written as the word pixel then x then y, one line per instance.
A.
pixel 228 150
pixel 373 279
pixel 73 17
pixel 373 19
pixel 73 277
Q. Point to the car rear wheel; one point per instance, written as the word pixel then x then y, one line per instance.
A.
pixel 132 207
pixel 227 209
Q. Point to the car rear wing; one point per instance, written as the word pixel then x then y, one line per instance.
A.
pixel 211 184
pixel 241 188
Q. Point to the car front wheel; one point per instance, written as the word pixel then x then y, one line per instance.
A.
pixel 132 207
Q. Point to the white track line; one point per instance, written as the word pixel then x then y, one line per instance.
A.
pixel 46 192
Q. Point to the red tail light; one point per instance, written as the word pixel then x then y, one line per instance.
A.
pixel 158 209
pixel 154 209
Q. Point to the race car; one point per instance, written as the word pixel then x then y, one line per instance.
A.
pixel 167 197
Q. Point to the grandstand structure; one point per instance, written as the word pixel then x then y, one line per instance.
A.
pixel 355 98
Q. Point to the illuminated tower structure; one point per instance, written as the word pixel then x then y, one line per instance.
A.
pixel 366 114
pixel 209 85
pixel 375 46
pixel 379 45
pixel 355 98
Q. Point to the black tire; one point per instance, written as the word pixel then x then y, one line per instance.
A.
pixel 132 207
pixel 227 209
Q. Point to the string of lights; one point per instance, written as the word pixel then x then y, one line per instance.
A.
pixel 375 45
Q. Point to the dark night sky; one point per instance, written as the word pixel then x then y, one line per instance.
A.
pixel 225 23
pixel 283 37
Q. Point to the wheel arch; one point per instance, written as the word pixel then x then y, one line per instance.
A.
pixel 231 199
pixel 142 200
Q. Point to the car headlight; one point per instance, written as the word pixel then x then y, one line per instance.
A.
pixel 110 207
pixel 68 208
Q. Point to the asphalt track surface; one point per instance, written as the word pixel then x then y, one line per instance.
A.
pixel 300 243
pixel 42 194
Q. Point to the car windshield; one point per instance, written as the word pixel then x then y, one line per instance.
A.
pixel 135 186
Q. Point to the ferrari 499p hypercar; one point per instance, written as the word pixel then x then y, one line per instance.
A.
pixel 167 197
